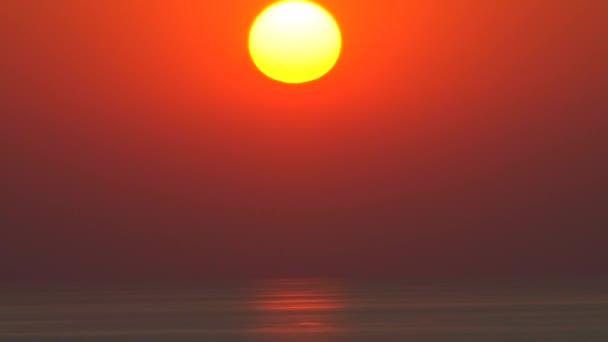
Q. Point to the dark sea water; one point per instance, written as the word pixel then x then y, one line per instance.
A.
pixel 310 310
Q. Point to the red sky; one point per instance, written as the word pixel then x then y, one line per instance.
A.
pixel 453 138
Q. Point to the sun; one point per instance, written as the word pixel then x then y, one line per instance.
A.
pixel 295 41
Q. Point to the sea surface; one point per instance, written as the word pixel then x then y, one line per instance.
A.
pixel 312 310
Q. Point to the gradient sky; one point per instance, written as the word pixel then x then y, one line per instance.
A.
pixel 453 139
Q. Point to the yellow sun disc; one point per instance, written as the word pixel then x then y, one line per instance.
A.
pixel 295 41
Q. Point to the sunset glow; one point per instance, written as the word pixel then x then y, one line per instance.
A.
pixel 151 140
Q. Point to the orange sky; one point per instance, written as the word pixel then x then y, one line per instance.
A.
pixel 395 52
pixel 126 116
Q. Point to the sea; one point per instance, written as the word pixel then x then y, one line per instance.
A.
pixel 312 310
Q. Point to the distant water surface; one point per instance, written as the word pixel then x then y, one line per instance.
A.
pixel 312 310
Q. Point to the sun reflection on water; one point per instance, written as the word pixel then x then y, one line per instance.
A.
pixel 307 307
